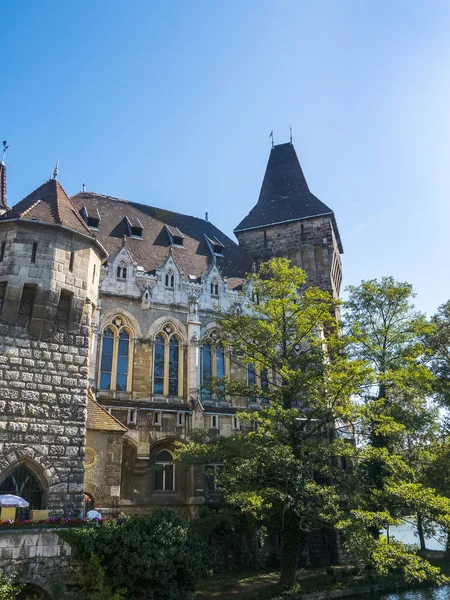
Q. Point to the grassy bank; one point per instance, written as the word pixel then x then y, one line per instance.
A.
pixel 263 585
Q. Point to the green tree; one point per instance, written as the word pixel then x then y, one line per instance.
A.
pixel 438 341
pixel 395 420
pixel 282 470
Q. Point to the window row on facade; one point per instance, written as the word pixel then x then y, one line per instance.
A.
pixel 116 363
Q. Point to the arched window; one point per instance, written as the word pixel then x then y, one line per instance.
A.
pixel 167 363
pixel 22 482
pixel 122 271
pixel 213 363
pixel 214 288
pixel 257 378
pixel 170 279
pixel 116 356
pixel 164 472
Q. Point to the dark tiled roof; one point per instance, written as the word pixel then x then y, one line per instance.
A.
pixel 194 257
pixel 284 195
pixel 99 419
pixel 49 203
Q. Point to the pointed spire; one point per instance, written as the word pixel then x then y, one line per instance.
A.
pixel 56 170
pixel 3 206
pixel 5 148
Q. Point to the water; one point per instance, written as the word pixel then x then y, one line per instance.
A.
pixel 405 533
pixel 442 593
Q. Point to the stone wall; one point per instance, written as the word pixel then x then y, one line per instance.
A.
pixel 310 244
pixel 45 356
pixel 103 474
pixel 38 557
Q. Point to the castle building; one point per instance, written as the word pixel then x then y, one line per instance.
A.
pixel 108 315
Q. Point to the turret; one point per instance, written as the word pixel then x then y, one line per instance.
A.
pixel 288 220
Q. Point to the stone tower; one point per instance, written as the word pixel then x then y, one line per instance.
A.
pixel 289 221
pixel 49 275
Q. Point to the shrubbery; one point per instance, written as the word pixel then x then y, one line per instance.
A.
pixel 148 557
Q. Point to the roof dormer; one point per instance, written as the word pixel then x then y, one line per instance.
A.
pixel 175 236
pixel 135 228
pixel 92 220
pixel 215 246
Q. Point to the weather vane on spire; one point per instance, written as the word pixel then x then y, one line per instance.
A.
pixel 290 132
pixel 56 170
pixel 5 148
pixel 271 136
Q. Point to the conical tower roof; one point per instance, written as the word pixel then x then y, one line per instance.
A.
pixel 49 203
pixel 285 195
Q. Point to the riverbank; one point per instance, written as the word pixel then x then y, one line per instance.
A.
pixel 312 584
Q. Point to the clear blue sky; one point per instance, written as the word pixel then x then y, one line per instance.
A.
pixel 171 103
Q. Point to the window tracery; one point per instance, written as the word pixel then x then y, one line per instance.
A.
pixel 167 363
pixel 213 363
pixel 214 287
pixel 165 472
pixel 116 356
pixel 122 271
pixel 170 279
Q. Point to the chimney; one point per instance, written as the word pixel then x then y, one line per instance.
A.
pixel 3 206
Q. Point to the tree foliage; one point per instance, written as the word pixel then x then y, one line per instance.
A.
pixel 146 557
pixel 281 470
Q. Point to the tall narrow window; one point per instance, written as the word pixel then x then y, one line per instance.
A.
pixel 2 295
pixel 251 379
pixel 206 370
pixel 26 305
pixel 71 260
pixel 94 273
pixel 158 371
pixel 2 251
pixel 63 311
pixel 33 252
pixel 122 271
pixel 164 472
pixel 116 356
pixel 167 364
pixel 265 239
pixel 174 353
pixel 106 363
pixel 213 364
pixel 170 279
pixel 214 288
pixel 122 361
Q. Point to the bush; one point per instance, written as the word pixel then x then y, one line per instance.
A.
pixel 8 590
pixel 148 557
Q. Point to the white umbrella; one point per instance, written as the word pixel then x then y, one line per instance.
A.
pixel 10 500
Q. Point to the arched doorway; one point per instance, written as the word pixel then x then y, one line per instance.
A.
pixel 89 503
pixel 32 591
pixel 22 482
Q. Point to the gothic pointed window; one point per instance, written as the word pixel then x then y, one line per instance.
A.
pixel 22 482
pixel 170 279
pixel 214 288
pixel 122 271
pixel 213 364
pixel 106 362
pixel 164 472
pixel 167 363
pixel 116 356
pixel 158 375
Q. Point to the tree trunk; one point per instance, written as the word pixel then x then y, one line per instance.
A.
pixel 420 532
pixel 291 538
pixel 447 548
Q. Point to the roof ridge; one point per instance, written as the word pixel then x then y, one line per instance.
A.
pixel 24 212
pixel 58 208
pixel 76 213
pixel 132 202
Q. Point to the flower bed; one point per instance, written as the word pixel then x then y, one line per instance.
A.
pixel 52 522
